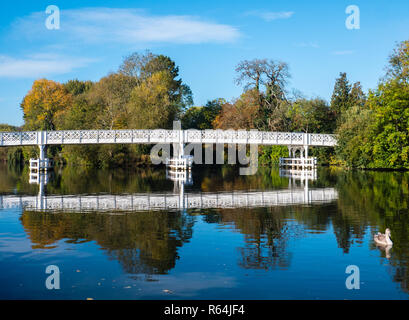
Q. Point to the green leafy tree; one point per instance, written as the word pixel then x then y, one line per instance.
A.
pixel 357 97
pixel 12 155
pixel 77 87
pixel 340 100
pixel 210 111
pixel 354 137
pixel 310 115
pixel 112 94
pixel 202 117
pixel 143 66
pixel 390 104
pixel 192 118
pixel 376 135
pixel 151 104
pixel 398 67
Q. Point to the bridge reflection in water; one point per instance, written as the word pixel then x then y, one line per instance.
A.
pixel 178 200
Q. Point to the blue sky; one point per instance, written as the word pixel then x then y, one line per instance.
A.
pixel 205 38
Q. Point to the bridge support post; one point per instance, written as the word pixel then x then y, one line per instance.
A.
pixel 300 163
pixel 42 164
pixel 43 151
pixel 179 161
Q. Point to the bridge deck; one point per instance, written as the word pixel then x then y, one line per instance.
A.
pixel 32 138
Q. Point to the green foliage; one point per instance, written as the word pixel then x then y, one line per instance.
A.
pixel 354 136
pixel 390 104
pixel 202 117
pixel 192 118
pixel 6 153
pixel 270 155
pixel 7 128
pixel 340 96
pixel 310 116
pixel 345 96
pixel 399 63
pixel 375 133
pixel 77 87
pixel 15 157
pixel 152 103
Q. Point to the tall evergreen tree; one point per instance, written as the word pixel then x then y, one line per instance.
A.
pixel 340 100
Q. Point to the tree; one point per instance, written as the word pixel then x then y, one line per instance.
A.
pixel 144 66
pixel 192 118
pixel 269 73
pixel 280 120
pixel 151 104
pixel 399 63
pixel 340 97
pixel 374 133
pixel 310 115
pixel 240 114
pixel 273 75
pixel 112 94
pixel 251 73
pixel 354 137
pixel 210 111
pixel 390 104
pixel 77 87
pixel 357 97
pixel 344 97
pixel 277 75
pixel 42 104
pixel 202 117
pixel 134 65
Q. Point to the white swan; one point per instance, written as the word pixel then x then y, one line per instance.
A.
pixel 383 239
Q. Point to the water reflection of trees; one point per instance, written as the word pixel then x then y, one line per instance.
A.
pixel 11 179
pixel 228 178
pixel 142 242
pixel 83 180
pixel 367 202
pixel 266 233
pixel 379 200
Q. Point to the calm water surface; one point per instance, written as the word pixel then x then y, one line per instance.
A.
pixel 255 250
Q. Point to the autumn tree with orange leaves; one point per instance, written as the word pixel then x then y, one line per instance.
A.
pixel 43 103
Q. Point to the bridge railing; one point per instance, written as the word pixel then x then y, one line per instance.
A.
pixel 170 201
pixel 164 136
pixel 19 138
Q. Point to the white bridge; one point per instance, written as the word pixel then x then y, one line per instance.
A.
pixel 38 138
pixel 149 202
pixel 294 141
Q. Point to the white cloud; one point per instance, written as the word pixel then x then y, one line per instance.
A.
pixel 128 26
pixel 342 53
pixel 270 16
pixel 39 65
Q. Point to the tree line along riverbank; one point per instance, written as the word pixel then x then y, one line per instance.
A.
pixel 147 92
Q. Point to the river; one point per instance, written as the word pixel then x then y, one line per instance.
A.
pixel 137 234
